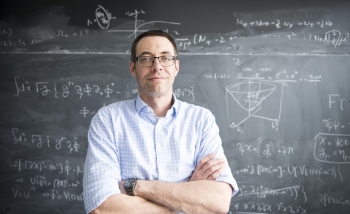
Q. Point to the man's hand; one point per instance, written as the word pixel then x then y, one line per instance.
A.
pixel 208 168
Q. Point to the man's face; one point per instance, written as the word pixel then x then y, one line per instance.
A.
pixel 154 81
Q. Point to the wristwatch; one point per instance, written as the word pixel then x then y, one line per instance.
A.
pixel 129 186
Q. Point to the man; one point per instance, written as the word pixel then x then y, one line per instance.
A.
pixel 156 154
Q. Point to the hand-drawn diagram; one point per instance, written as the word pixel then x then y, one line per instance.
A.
pixel 251 95
pixel 103 19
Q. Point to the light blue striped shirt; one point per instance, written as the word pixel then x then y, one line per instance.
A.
pixel 127 140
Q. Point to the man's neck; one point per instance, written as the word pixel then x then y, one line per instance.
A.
pixel 160 105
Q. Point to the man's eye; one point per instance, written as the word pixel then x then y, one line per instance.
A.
pixel 146 59
pixel 166 58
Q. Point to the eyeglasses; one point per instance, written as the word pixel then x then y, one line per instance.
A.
pixel 165 61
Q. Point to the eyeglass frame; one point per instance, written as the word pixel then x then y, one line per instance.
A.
pixel 154 57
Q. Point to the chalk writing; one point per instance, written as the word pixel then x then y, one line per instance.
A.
pixel 21 165
pixel 262 192
pixel 265 150
pixel 334 37
pixel 63 90
pixel 265 207
pixel 9 43
pixel 284 24
pixel 217 76
pixel 284 76
pixel 294 171
pixel 333 125
pixel 41 141
pixel 103 17
pixel 332 148
pixel 185 92
pixel 6 31
pixel 327 200
pixel 20 193
pixel 335 101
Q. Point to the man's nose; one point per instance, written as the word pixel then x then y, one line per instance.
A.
pixel 156 62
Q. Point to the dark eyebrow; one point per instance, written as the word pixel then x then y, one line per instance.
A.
pixel 165 52
pixel 144 53
pixel 149 53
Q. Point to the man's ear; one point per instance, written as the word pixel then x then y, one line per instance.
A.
pixel 177 67
pixel 132 68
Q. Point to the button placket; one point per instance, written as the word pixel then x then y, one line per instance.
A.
pixel 159 138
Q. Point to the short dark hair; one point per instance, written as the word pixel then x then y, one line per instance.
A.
pixel 151 33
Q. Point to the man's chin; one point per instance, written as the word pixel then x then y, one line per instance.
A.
pixel 156 93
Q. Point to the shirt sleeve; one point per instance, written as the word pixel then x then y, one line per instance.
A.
pixel 211 143
pixel 102 169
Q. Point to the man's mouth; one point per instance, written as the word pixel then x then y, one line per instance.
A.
pixel 156 78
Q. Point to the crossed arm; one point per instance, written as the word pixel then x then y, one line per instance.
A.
pixel 200 195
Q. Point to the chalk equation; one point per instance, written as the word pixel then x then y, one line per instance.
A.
pixel 54 194
pixel 63 90
pixel 185 93
pixel 294 171
pixel 62 187
pixel 256 207
pixel 261 191
pixel 217 76
pixel 269 74
pixel 45 141
pixel 66 168
pixel 284 24
pixel 335 38
pixel 328 200
pixel 332 148
pixel 39 183
pixel 334 125
pixel 266 150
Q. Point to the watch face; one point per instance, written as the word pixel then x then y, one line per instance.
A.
pixel 128 183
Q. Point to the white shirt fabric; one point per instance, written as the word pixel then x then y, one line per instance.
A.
pixel 127 140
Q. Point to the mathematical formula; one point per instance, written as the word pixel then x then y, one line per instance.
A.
pixel 63 90
pixel 65 168
pixel 261 191
pixel 332 148
pixel 294 171
pixel 47 141
pixel 265 150
pixel 252 206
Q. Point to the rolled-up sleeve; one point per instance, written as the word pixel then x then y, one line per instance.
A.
pixel 102 169
pixel 211 143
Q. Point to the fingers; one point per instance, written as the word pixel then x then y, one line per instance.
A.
pixel 205 160
pixel 208 168
pixel 213 168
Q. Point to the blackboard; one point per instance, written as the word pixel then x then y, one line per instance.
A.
pixel 276 75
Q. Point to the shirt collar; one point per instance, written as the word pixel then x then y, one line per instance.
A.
pixel 139 105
